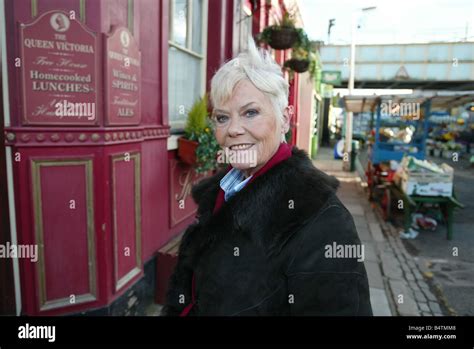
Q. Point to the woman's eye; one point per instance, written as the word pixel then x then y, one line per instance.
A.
pixel 251 113
pixel 221 119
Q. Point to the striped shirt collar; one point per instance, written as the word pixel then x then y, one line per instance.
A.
pixel 233 182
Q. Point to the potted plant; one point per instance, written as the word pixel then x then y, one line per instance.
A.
pixel 282 36
pixel 198 147
pixel 195 124
pixel 299 61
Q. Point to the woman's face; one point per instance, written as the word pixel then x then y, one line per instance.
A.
pixel 247 126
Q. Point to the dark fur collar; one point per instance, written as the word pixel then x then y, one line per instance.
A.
pixel 271 208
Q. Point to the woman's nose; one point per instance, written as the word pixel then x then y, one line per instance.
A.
pixel 235 127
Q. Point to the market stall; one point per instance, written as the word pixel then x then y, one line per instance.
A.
pixel 399 138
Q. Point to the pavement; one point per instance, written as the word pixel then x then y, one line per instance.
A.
pixel 399 283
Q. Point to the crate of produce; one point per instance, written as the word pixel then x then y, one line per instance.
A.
pixel 424 178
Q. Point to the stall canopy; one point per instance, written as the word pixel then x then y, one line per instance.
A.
pixel 437 99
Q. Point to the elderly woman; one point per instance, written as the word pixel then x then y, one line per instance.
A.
pixel 267 229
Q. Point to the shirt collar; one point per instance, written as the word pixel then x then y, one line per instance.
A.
pixel 233 182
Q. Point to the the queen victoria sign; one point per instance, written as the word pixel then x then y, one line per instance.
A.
pixel 59 71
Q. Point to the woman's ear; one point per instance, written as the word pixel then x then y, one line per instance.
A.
pixel 287 115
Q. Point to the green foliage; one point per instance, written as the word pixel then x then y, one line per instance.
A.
pixel 313 66
pixel 197 119
pixel 265 35
pixel 206 152
pixel 287 21
pixel 303 42
pixel 300 53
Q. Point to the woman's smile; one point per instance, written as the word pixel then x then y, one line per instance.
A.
pixel 241 146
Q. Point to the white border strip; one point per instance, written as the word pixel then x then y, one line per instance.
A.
pixel 14 240
pixel 8 155
pixel 204 33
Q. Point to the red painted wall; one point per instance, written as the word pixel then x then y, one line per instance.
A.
pixel 219 37
pixel 64 236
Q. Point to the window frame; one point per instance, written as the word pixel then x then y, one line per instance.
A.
pixel 242 12
pixel 177 127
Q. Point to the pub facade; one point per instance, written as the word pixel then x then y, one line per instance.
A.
pixel 92 100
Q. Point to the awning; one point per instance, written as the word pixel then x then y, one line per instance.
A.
pixel 438 99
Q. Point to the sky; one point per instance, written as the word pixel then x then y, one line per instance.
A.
pixel 393 21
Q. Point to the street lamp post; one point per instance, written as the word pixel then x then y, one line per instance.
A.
pixel 331 24
pixel 346 164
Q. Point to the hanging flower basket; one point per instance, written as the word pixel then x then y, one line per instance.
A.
pixel 282 38
pixel 298 65
pixel 187 150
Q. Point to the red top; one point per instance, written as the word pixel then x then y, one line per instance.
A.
pixel 283 153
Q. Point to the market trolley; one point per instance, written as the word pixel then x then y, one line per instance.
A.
pixel 400 113
pixel 412 203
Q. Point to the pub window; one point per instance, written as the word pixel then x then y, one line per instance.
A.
pixel 186 58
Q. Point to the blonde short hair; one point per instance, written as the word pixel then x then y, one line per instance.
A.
pixel 257 66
